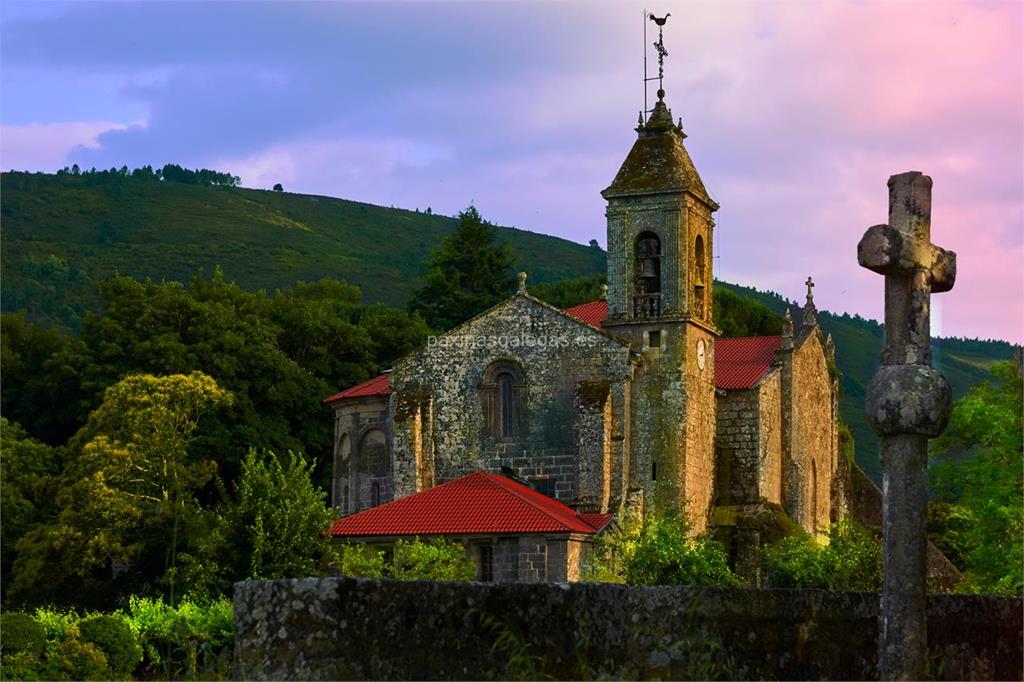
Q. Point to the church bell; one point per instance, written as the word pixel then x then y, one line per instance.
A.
pixel 648 269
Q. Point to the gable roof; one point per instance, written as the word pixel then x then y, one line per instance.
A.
pixel 476 504
pixel 377 386
pixel 593 313
pixel 741 363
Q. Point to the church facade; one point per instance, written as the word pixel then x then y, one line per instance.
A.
pixel 622 405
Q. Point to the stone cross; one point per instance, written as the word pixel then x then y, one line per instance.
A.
pixel 908 402
pixel 810 285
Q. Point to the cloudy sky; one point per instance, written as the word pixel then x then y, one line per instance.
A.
pixel 796 112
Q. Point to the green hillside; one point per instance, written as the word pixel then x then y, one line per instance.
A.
pixel 62 233
pixel 858 348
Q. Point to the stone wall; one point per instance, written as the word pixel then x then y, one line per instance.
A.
pixel 748 444
pixel 813 456
pixel 340 628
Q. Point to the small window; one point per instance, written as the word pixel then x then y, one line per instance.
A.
pixel 654 471
pixel 486 563
pixel 389 557
pixel 375 494
pixel 507 404
pixel 344 500
pixel 545 486
pixel 654 339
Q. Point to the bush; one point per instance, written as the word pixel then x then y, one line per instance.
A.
pixel 434 560
pixel 112 635
pixel 852 560
pixel 73 659
pixel 665 555
pixel 411 560
pixel 21 634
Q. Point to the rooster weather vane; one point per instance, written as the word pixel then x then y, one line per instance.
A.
pixel 659 46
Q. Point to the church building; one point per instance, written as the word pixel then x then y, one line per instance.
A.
pixel 627 404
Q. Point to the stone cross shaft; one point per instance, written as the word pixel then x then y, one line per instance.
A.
pixel 908 402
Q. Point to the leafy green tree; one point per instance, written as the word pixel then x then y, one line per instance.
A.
pixel 278 187
pixel 274 524
pixel 569 292
pixel 977 515
pixel 127 498
pixel 30 471
pixel 468 274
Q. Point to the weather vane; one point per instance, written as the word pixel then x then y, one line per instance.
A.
pixel 662 53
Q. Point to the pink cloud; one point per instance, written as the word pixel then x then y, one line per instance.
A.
pixel 47 145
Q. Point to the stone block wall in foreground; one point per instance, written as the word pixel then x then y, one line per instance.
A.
pixel 345 628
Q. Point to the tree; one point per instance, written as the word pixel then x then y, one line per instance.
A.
pixel 127 496
pixel 30 471
pixel 977 514
pixel 469 273
pixel 278 187
pixel 274 525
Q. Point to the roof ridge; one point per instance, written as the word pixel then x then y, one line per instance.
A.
pixel 742 338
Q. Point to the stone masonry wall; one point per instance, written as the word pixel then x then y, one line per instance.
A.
pixel 748 444
pixel 343 628
pixel 546 446
pixel 813 455
pixel 353 420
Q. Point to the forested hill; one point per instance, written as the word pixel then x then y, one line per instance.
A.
pixel 858 341
pixel 62 233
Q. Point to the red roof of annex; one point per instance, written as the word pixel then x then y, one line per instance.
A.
pixel 739 362
pixel 476 504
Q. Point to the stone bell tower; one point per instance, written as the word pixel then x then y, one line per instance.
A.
pixel 660 240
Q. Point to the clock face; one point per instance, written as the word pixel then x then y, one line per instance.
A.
pixel 701 354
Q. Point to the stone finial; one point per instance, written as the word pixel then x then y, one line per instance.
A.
pixel 522 283
pixel 604 292
pixel 787 330
pixel 809 318
pixel 830 348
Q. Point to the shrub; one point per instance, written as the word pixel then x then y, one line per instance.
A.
pixel 851 560
pixel 191 640
pixel 21 634
pixel 113 636
pixel 665 555
pixel 434 560
pixel 73 659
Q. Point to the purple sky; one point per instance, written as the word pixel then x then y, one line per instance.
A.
pixel 797 113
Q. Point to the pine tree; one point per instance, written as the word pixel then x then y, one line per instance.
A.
pixel 468 274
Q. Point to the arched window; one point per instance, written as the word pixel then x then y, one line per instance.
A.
pixel 507 404
pixel 699 277
pixel 647 275
pixel 502 393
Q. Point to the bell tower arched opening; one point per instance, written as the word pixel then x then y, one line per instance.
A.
pixel 647 275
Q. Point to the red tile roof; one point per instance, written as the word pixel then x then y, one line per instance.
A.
pixel 740 363
pixel 476 504
pixel 592 313
pixel 375 386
